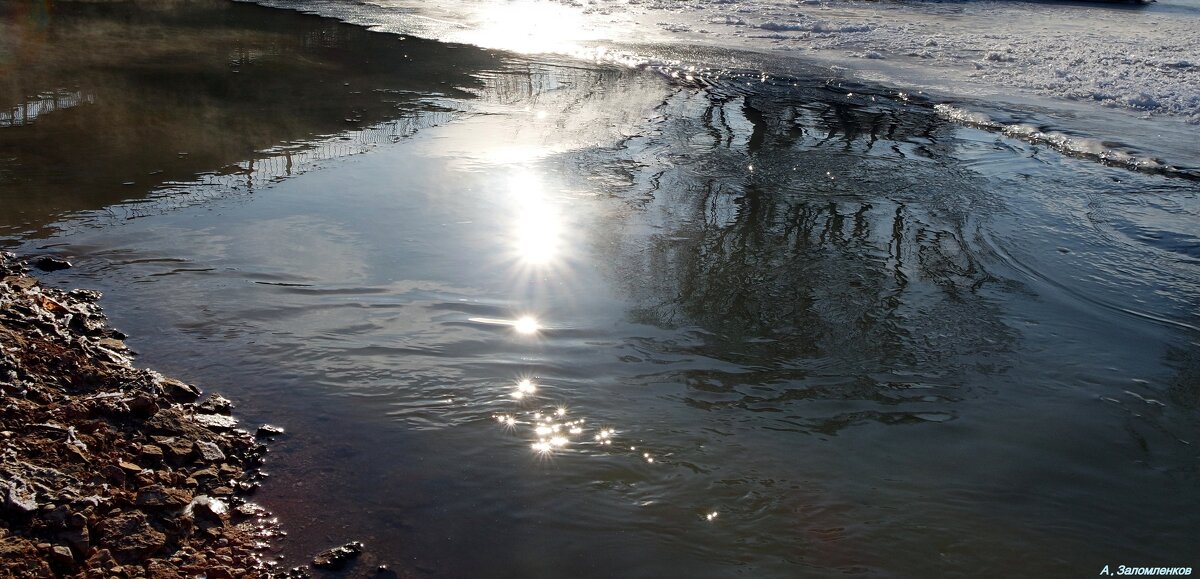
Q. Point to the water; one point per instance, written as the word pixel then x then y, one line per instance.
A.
pixel 792 329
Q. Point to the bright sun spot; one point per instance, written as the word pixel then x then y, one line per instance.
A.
pixel 538 228
pixel 526 325
pixel 528 26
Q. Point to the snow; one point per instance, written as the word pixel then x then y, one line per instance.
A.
pixel 1140 60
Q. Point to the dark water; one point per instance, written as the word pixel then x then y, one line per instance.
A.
pixel 791 331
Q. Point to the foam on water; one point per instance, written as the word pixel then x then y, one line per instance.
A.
pixel 1079 146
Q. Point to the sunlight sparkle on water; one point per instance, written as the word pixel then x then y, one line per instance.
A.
pixel 537 232
pixel 527 325
pixel 523 325
pixel 530 26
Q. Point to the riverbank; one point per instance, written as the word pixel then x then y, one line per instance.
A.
pixel 108 470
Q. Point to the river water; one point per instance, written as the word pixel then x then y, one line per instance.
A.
pixel 531 316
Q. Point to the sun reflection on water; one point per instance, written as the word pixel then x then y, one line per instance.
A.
pixel 527 325
pixel 537 231
pixel 529 26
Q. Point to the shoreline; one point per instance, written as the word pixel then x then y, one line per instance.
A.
pixel 110 470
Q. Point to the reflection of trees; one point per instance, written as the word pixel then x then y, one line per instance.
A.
pixel 848 248
pixel 151 93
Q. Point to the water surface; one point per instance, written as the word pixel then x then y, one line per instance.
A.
pixel 587 320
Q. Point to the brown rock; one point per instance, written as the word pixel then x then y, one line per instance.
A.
pixel 217 404
pixel 130 537
pixel 143 405
pixel 158 497
pixel 62 558
pixel 179 448
pixel 161 570
pixel 79 539
pixel 151 454
pixel 204 474
pixel 209 452
pixel 129 467
pixel 113 474
pixel 179 391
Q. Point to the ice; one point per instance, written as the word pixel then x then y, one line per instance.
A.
pixel 1106 58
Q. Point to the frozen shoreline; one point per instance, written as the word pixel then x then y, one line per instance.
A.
pixel 1119 77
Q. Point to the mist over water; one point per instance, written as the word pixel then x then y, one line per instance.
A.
pixel 532 316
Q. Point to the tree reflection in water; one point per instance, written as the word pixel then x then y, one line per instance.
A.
pixel 826 243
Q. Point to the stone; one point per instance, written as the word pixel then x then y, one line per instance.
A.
pixel 24 282
pixel 178 448
pixel 130 537
pixel 62 557
pixel 79 539
pixel 157 496
pixel 48 263
pixel 268 430
pixel 207 510
pixel 161 570
pixel 217 404
pixel 113 474
pixel 17 496
pixel 209 452
pixel 129 467
pixel 112 344
pixel 215 422
pixel 143 405
pixel 178 391
pixel 337 557
pixel 151 454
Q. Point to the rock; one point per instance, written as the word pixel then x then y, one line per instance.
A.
pixel 51 264
pixel 23 282
pixel 337 557
pixel 204 474
pixel 113 474
pixel 85 295
pixel 157 496
pixel 209 452
pixel 161 570
pixel 215 422
pixel 178 391
pixel 151 454
pixel 112 344
pixel 207 510
pixel 129 467
pixel 79 539
pixel 62 558
pixel 17 496
pixel 268 430
pixel 179 448
pixel 58 516
pixel 130 537
pixel 143 405
pixel 216 404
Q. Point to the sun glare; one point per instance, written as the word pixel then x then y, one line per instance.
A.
pixel 530 26
pixel 526 325
pixel 537 231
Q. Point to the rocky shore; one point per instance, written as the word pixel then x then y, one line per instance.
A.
pixel 107 470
